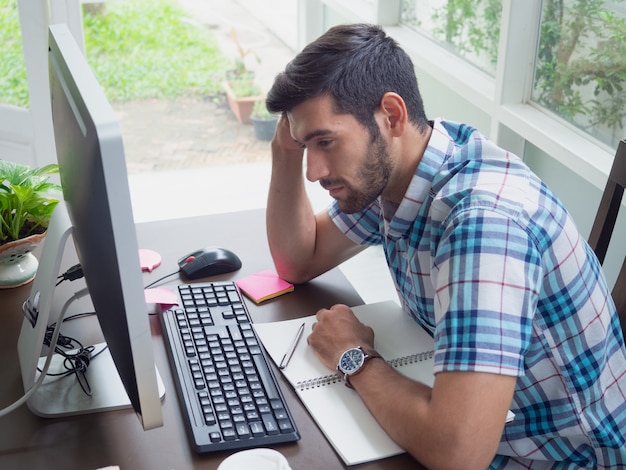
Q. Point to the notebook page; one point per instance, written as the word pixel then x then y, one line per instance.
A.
pixel 337 409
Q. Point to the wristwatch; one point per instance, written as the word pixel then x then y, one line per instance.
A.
pixel 353 361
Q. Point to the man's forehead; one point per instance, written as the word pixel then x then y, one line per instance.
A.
pixel 315 117
pixel 320 104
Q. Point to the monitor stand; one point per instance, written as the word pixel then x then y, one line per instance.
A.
pixel 57 397
pixel 63 396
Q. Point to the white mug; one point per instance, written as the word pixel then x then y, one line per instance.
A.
pixel 257 459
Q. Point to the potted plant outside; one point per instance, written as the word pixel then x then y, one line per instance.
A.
pixel 27 200
pixel 263 121
pixel 242 94
pixel 241 90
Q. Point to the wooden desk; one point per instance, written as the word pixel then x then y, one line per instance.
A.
pixel 116 438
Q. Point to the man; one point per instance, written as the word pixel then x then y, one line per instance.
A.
pixel 483 255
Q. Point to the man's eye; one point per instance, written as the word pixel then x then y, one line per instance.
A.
pixel 324 143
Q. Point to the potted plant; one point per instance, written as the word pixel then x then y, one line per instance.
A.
pixel 241 90
pixel 27 200
pixel 263 121
pixel 242 95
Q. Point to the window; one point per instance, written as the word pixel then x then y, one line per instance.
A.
pixel 470 28
pixel 13 85
pixel 150 49
pixel 580 70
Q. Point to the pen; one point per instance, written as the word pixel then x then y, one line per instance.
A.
pixel 292 348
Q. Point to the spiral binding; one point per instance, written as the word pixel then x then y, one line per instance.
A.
pixel 318 382
pixel 412 359
pixel 334 378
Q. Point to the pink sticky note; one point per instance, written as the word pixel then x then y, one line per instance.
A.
pixel 149 259
pixel 263 286
pixel 160 295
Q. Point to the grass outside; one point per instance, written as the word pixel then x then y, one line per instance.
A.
pixel 137 49
pixel 13 88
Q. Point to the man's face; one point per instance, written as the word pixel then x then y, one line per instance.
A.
pixel 349 163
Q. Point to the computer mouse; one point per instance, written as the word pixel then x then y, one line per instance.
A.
pixel 208 262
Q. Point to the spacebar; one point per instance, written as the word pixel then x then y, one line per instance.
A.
pixel 266 377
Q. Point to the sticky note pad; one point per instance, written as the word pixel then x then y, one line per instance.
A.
pixel 263 285
pixel 162 296
pixel 149 259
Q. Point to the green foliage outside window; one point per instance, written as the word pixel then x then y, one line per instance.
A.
pixel 137 49
pixel 469 28
pixel 472 27
pixel 580 70
pixel 13 87
pixel 152 49
pixel 581 63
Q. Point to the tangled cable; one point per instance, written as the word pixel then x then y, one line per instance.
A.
pixel 76 356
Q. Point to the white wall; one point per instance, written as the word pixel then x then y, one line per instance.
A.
pixel 278 15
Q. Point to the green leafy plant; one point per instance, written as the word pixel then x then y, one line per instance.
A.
pixel 260 111
pixel 583 47
pixel 240 78
pixel 241 70
pixel 472 27
pixel 27 199
pixel 580 71
pixel 242 88
pixel 242 92
pixel 263 121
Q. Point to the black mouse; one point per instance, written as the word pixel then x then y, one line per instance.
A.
pixel 208 262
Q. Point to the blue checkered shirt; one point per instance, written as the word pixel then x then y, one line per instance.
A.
pixel 486 258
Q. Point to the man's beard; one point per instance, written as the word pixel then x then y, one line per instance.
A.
pixel 373 177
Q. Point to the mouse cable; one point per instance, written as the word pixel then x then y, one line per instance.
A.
pixel 161 279
pixel 57 330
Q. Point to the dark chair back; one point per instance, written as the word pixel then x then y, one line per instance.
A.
pixel 604 223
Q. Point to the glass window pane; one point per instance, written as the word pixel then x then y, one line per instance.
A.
pixel 13 84
pixel 580 72
pixel 150 49
pixel 470 28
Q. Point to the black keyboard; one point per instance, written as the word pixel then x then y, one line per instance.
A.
pixel 229 396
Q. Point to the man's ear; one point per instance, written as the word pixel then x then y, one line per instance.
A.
pixel 394 109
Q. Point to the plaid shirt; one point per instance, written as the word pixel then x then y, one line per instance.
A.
pixel 486 258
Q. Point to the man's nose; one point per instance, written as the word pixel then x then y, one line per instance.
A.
pixel 316 167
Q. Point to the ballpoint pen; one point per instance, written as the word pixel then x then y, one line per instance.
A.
pixel 287 357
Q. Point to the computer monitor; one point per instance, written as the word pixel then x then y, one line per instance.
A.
pixel 97 213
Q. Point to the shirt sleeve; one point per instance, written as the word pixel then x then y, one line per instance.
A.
pixel 363 228
pixel 487 282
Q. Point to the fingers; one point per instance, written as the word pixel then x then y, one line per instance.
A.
pixel 337 329
pixel 339 325
pixel 283 138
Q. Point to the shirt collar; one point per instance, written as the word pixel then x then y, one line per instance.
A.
pixel 436 153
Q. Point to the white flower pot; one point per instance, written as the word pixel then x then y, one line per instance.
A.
pixel 18 265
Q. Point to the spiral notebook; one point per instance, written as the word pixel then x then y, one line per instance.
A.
pixel 337 409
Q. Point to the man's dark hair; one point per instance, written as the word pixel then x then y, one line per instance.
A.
pixel 355 65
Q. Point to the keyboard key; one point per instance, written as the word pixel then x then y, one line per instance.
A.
pixel 270 424
pixel 257 428
pixel 243 430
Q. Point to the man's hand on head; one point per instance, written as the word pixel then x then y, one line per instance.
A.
pixel 283 141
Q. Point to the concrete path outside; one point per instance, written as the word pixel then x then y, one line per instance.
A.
pixel 192 133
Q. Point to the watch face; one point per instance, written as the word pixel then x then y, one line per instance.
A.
pixel 351 360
